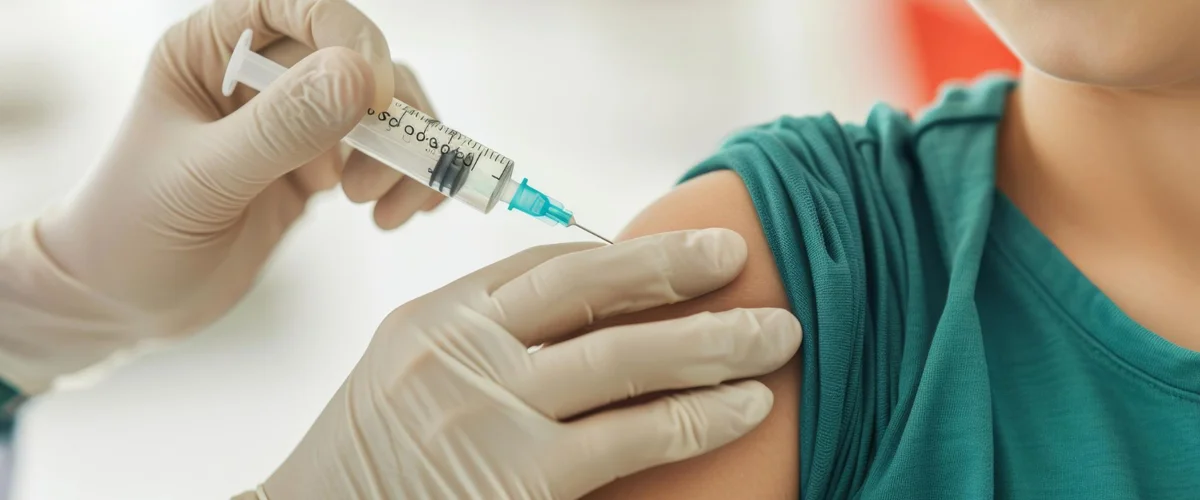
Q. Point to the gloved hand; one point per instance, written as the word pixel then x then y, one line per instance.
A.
pixel 174 226
pixel 448 403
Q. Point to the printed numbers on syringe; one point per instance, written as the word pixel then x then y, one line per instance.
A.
pixel 409 124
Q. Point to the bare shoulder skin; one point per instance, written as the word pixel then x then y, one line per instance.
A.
pixel 764 464
pixel 1098 146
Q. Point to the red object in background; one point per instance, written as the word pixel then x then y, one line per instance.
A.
pixel 948 41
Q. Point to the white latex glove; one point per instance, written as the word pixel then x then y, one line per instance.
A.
pixel 448 404
pixel 174 226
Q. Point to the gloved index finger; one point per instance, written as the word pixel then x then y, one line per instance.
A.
pixel 316 23
pixel 572 291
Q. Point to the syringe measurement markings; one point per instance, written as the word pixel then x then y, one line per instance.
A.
pixel 451 135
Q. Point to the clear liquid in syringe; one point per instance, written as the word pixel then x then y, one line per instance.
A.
pixel 416 144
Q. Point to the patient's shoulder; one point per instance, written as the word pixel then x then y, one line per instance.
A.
pixel 850 227
pixel 718 199
pixel 790 188
pixel 763 464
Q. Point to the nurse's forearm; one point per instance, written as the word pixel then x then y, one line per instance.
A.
pixel 50 325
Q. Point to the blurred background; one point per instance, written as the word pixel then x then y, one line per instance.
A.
pixel 604 103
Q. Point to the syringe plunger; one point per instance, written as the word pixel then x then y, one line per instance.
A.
pixel 249 68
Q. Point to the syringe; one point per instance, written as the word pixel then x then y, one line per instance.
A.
pixel 421 148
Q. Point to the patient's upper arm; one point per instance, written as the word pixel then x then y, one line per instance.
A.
pixel 764 464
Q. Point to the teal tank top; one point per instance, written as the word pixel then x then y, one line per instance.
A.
pixel 950 350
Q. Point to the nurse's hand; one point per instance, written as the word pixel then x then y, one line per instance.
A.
pixel 448 403
pixel 198 188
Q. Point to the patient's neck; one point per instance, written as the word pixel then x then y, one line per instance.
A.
pixel 1113 178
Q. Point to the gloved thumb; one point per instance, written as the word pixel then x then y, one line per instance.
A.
pixel 301 115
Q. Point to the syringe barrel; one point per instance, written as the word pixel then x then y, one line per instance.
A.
pixel 401 137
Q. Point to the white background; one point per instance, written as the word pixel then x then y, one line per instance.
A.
pixel 603 104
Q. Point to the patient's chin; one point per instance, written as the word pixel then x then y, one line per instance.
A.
pixel 1120 67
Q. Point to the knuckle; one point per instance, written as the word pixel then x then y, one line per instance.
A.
pixel 166 49
pixel 689 425
pixel 708 327
pixel 318 10
pixel 717 320
pixel 343 60
pixel 349 23
pixel 603 358
pixel 549 283
pixel 497 308
pixel 398 318
pixel 754 336
pixel 347 78
pixel 742 322
pixel 662 261
pixel 553 279
pixel 716 343
pixel 576 271
pixel 329 91
pixel 699 257
pixel 171 62
pixel 273 145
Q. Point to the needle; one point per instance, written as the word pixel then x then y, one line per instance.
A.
pixel 589 231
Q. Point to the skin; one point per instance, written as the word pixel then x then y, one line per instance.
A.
pixel 763 464
pixel 1098 148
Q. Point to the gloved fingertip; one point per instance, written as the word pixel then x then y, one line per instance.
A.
pixel 783 328
pixel 434 202
pixel 725 248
